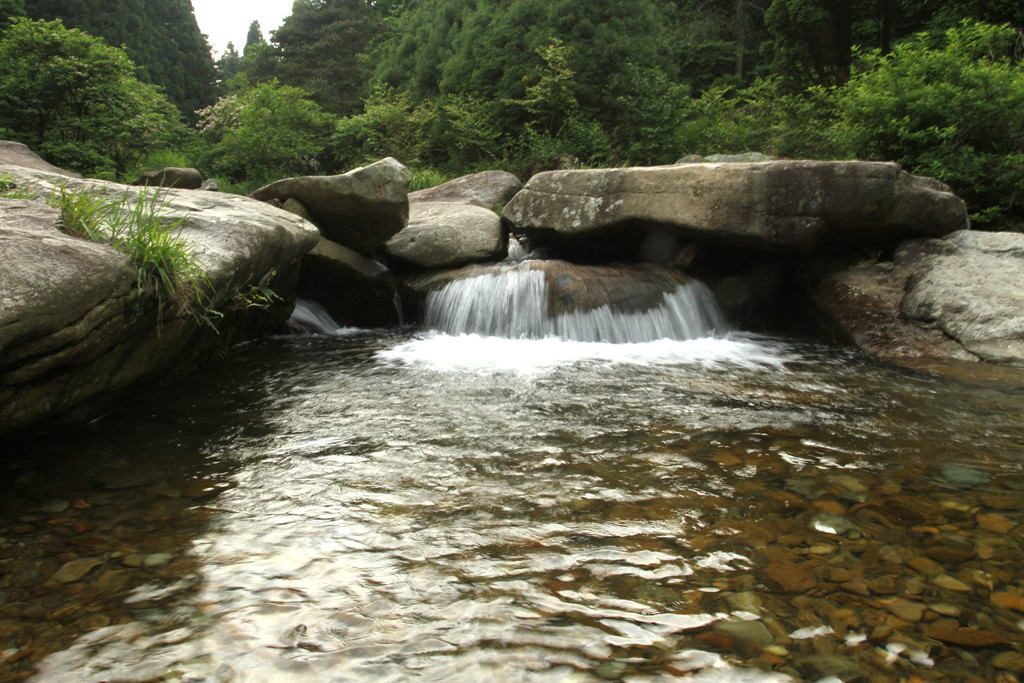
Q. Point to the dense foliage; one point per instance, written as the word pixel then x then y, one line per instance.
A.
pixel 160 36
pixel 76 100
pixel 459 85
pixel 263 130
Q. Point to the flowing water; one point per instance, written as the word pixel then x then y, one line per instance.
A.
pixel 399 505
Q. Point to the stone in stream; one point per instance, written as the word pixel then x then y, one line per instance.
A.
pixel 360 209
pixel 488 190
pixel 75 569
pixel 787 577
pixel 447 235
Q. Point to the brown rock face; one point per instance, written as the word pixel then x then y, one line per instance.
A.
pixel 354 289
pixel 958 298
pixel 787 577
pixel 777 205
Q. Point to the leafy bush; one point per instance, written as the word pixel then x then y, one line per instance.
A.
pixel 262 132
pixel 391 125
pixel 954 112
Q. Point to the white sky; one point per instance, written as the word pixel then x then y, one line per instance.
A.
pixel 227 21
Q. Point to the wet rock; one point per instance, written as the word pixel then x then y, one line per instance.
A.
pixel 157 560
pixel 787 577
pixel 55 507
pixel 967 637
pixel 821 667
pixel 746 635
pixel 926 566
pixel 950 583
pixel 746 601
pixel 75 569
pixel 1009 661
pixel 948 555
pixel 355 289
pixel 836 525
pixel 994 522
pixel 1006 600
pixel 906 610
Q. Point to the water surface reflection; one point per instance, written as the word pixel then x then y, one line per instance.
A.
pixel 387 507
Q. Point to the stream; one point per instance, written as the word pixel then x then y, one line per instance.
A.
pixel 397 505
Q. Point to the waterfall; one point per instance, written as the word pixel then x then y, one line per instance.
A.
pixel 309 317
pixel 535 300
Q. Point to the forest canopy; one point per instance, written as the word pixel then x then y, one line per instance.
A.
pixel 460 85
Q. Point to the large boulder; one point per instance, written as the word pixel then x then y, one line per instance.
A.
pixel 354 289
pixel 17 154
pixel 958 298
pixel 172 176
pixel 360 209
pixel 774 205
pixel 447 235
pixel 75 333
pixel 487 189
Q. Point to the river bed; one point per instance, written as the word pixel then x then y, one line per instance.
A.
pixel 417 506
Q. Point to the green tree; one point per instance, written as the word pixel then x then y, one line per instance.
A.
pixel 320 44
pixel 10 9
pixel 263 132
pixel 253 38
pixel 228 66
pixel 76 100
pixel 391 124
pixel 162 37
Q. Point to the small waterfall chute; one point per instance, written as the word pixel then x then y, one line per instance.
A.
pixel 555 299
pixel 310 317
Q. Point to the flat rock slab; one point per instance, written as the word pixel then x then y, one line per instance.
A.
pixel 958 298
pixel 777 205
pixel 448 235
pixel 360 209
pixel 487 189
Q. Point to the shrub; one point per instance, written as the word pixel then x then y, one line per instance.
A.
pixel 954 112
pixel 262 132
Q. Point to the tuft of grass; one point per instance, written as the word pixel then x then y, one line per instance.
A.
pixel 11 190
pixel 143 230
pixel 425 178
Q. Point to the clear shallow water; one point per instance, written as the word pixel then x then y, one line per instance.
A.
pixel 396 507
